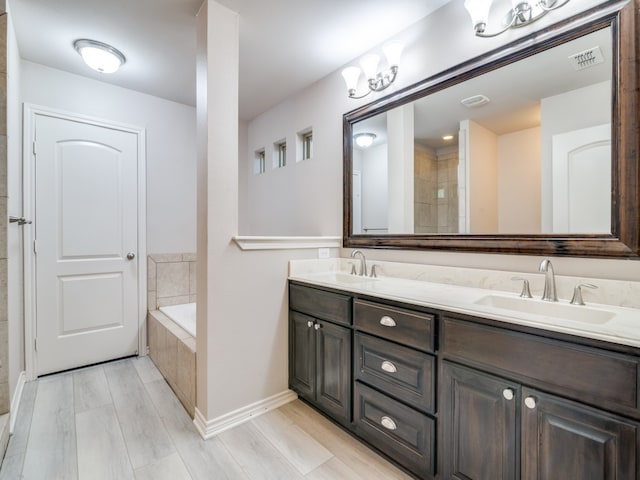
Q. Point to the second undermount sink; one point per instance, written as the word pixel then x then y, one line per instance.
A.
pixel 574 313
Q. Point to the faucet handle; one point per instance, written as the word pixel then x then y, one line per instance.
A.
pixel 353 268
pixel 577 293
pixel 374 274
pixel 526 291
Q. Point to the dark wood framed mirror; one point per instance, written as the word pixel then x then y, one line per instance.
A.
pixel 446 212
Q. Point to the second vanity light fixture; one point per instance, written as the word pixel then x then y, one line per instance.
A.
pixel 101 57
pixel 376 80
pixel 523 12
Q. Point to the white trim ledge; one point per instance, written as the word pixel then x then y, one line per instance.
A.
pixel 210 428
pixel 286 243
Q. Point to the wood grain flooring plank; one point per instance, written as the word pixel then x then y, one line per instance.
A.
pixel 170 468
pixel 333 469
pixel 200 457
pixel 145 436
pixel 296 445
pixel 361 459
pixel 146 369
pixel 90 389
pixel 51 448
pixel 256 455
pixel 102 454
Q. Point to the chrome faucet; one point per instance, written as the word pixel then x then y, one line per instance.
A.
pixel 549 294
pixel 363 262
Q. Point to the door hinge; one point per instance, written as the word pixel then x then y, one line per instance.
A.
pixel 35 344
pixel 34 148
pixel 35 247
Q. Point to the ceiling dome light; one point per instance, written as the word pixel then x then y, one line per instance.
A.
pixel 101 57
pixel 364 140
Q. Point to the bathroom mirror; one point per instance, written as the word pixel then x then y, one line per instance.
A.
pixel 531 148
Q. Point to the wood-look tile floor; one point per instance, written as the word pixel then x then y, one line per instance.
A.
pixel 122 421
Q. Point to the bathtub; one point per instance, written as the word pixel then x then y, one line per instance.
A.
pixel 184 315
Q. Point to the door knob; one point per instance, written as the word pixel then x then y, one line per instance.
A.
pixel 131 256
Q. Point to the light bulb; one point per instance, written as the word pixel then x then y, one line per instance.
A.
pixel 370 65
pixel 479 12
pixel 351 76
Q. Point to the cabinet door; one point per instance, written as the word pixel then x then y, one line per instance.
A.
pixel 564 439
pixel 478 413
pixel 333 367
pixel 302 373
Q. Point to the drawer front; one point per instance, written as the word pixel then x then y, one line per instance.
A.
pixel 400 372
pixel 586 374
pixel 402 433
pixel 415 329
pixel 320 304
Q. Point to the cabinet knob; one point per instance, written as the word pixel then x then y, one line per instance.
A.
pixel 530 402
pixel 387 321
pixel 507 393
pixel 317 326
pixel 388 423
pixel 388 366
pixel 309 324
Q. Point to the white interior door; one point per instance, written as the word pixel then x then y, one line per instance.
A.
pixel 86 222
pixel 582 180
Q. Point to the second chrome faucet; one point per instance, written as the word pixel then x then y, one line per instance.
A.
pixel 549 293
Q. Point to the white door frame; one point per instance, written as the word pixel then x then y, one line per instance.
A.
pixel 30 111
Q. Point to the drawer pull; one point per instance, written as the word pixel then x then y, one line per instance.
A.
pixel 388 423
pixel 507 393
pixel 387 366
pixel 387 321
pixel 530 402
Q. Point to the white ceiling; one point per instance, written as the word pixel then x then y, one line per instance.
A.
pixel 285 45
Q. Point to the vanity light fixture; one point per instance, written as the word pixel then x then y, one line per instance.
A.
pixel 376 80
pixel 446 138
pixel 101 57
pixel 364 140
pixel 522 13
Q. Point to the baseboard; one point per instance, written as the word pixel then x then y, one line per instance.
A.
pixel 15 400
pixel 210 428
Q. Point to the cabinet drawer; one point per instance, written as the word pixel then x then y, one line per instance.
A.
pixel 402 433
pixel 587 374
pixel 415 329
pixel 401 372
pixel 320 304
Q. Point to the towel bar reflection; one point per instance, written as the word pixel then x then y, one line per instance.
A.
pixel 19 220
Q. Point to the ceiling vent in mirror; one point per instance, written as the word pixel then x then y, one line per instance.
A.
pixel 586 59
pixel 475 101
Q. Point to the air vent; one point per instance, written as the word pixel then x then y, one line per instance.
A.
pixel 475 101
pixel 586 59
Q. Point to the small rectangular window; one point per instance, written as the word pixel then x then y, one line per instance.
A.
pixel 260 166
pixel 281 152
pixel 307 145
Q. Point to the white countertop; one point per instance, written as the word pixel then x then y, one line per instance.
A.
pixel 623 327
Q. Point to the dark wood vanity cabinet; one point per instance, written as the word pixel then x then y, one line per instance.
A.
pixel 320 350
pixel 495 425
pixel 449 396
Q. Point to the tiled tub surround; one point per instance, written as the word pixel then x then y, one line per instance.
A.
pixel 173 351
pixel 458 289
pixel 171 279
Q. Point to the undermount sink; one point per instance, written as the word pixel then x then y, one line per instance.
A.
pixel 339 277
pixel 574 313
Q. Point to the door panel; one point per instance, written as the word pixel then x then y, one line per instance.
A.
pixel 563 439
pixel 86 222
pixel 302 373
pixel 479 425
pixel 333 364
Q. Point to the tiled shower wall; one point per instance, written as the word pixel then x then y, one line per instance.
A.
pixel 4 331
pixel 171 279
